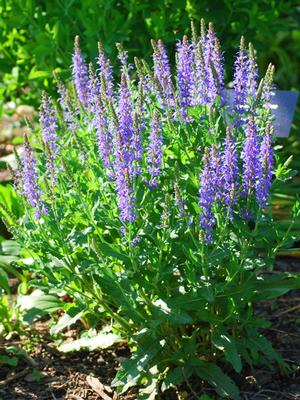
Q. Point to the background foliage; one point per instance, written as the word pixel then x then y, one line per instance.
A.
pixel 36 36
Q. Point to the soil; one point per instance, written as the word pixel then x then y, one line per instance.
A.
pixel 46 374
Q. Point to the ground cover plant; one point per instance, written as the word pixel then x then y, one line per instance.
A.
pixel 147 203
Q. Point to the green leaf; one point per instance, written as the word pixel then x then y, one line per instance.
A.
pixel 259 342
pixel 12 361
pixel 40 301
pixel 211 373
pixel 6 260
pixel 10 248
pixel 100 341
pixel 150 392
pixel 4 281
pixel 173 378
pixel 227 344
pixel 35 74
pixel 270 287
pixel 133 369
pixel 110 252
pixel 177 316
pixel 68 319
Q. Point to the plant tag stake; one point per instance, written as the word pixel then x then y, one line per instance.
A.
pixel 282 104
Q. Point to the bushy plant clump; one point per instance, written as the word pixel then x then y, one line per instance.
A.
pixel 148 202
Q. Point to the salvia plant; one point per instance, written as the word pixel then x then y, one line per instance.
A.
pixel 148 202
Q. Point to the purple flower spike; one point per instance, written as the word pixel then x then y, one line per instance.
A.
pixel 162 71
pixel 250 155
pixel 80 74
pixel 185 76
pixel 31 189
pixel 199 95
pixel 179 200
pixel 105 71
pixel 240 79
pixel 69 109
pixel 136 240
pixel 126 200
pixel 230 173
pixel 93 90
pixel 252 73
pixel 211 62
pixel 267 86
pixel 216 171
pixel 126 127
pixel 123 58
pixel 264 175
pixel 136 143
pixel 206 199
pixel 155 154
pixel 104 137
pixel 216 56
pixel 48 122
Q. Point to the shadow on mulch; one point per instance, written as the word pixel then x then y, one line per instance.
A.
pixel 50 375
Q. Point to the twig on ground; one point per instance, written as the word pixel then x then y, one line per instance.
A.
pixel 97 387
pixel 189 385
pixel 289 310
pixel 18 375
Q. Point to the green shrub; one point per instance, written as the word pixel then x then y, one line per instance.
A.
pixel 147 202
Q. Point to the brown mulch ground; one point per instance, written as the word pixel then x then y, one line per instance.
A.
pixel 87 375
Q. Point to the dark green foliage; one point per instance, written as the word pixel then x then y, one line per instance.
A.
pixel 36 37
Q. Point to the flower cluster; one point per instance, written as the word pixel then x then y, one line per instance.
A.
pixel 130 121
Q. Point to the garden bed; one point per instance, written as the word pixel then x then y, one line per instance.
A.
pixel 69 376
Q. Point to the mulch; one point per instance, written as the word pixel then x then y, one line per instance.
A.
pixel 47 374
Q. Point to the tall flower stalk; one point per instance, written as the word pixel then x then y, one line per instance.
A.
pixel 155 153
pixel 125 195
pixel 162 71
pixel 105 72
pixel 215 58
pixel 80 74
pixel 240 79
pixel 104 135
pixel 30 186
pixel 230 173
pixel 215 164
pixel 68 106
pixel 265 169
pixel 184 76
pixel 49 126
pixel 206 199
pixel 125 120
pixel 250 155
pixel 252 73
pixel 267 86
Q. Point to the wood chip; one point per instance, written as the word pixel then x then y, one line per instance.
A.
pixel 97 387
